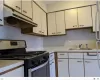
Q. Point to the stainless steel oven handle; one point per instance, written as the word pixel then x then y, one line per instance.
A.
pixel 38 67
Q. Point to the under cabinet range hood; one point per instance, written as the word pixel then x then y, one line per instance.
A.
pixel 16 19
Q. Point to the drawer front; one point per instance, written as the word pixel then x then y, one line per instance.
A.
pixel 90 55
pixel 62 55
pixel 51 56
pixel 75 55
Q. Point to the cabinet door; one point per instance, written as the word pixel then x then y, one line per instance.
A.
pixel 94 17
pixel 43 23
pixel 63 68
pixel 76 68
pixel 84 17
pixel 14 4
pixel 37 18
pixel 51 24
pixel 1 13
pixel 91 68
pixel 71 18
pixel 27 8
pixel 60 22
pixel 52 68
pixel 19 72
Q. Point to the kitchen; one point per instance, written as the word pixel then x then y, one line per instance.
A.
pixel 52 37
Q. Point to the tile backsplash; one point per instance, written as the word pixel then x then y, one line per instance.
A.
pixel 71 40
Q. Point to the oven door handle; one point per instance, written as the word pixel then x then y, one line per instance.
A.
pixel 38 67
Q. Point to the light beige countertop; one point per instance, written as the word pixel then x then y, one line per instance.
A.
pixel 9 64
pixel 76 51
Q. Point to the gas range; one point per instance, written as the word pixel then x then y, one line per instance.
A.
pixel 33 60
pixel 24 56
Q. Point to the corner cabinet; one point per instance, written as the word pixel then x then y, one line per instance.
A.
pixel 27 8
pixel 51 24
pixel 56 23
pixel 1 13
pixel 39 17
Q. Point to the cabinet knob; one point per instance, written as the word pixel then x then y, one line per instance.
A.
pixel 24 11
pixel 18 7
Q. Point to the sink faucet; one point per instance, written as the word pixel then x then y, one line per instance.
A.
pixel 80 46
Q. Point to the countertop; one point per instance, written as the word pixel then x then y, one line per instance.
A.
pixel 76 51
pixel 9 64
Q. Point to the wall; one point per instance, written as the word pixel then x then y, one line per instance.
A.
pixel 60 5
pixel 41 4
pixel 71 40
pixel 33 42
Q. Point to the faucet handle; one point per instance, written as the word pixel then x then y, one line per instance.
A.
pixel 87 46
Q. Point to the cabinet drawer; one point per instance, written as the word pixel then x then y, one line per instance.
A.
pixel 90 55
pixel 51 56
pixel 62 55
pixel 75 55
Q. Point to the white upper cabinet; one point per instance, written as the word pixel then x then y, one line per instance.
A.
pixel 43 23
pixel 94 17
pixel 51 24
pixel 27 8
pixel 37 18
pixel 84 17
pixel 60 22
pixel 1 13
pixel 14 4
pixel 71 19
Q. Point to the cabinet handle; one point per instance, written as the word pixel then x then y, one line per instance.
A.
pixel 53 33
pixel 58 32
pixel 75 26
pixel 0 19
pixel 18 7
pixel 81 25
pixel 79 61
pixel 60 61
pixel 24 11
pixel 40 31
pixel 87 61
pixel 62 54
pixel 51 63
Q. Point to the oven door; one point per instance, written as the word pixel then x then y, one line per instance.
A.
pixel 40 71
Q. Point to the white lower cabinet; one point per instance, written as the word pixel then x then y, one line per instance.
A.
pixel 92 68
pixel 63 68
pixel 19 72
pixel 52 68
pixel 76 68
